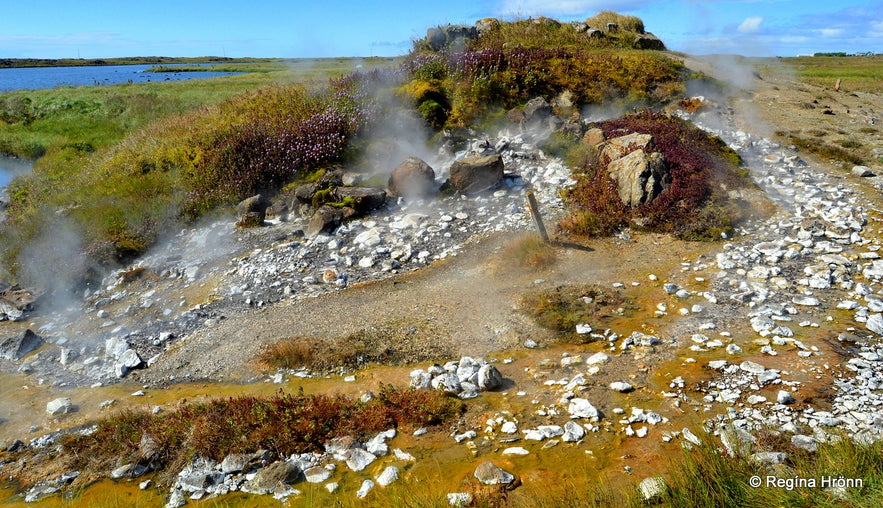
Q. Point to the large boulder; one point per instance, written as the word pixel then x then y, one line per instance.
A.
pixel 639 176
pixel 267 478
pixel 14 348
pixel 476 174
pixel 593 137
pixel 324 220
pixel 362 199
pixel 537 113
pixel 440 37
pixel 413 178
pixel 623 145
pixel 253 211
pixel 648 41
pixel 487 473
pixel 128 362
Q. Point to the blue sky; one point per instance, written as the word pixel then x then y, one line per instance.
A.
pixel 324 28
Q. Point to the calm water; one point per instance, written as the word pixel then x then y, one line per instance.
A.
pixel 32 78
pixel 10 167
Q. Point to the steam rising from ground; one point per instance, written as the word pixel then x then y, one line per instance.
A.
pixel 737 74
pixel 54 263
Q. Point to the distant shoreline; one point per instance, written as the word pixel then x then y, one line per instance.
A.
pixel 9 63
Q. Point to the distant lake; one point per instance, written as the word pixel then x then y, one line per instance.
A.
pixel 32 78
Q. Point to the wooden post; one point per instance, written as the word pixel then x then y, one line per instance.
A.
pixel 837 85
pixel 537 218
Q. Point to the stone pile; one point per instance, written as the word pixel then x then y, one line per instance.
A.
pixel 464 378
pixel 259 474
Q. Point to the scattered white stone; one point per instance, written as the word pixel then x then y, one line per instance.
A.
pixel 59 406
pixel 388 476
pixel 364 489
pixel 582 408
pixel 785 397
pixel 460 499
pixel 621 386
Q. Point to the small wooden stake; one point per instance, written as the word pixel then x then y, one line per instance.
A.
pixel 537 218
pixel 837 85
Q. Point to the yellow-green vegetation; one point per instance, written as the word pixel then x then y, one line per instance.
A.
pixel 708 476
pixel 529 251
pixel 513 62
pixel 858 73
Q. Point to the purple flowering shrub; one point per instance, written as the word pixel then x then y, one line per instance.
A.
pixel 286 134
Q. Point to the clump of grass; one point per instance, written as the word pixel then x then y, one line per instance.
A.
pixel 696 205
pixel 386 344
pixel 849 143
pixel 529 251
pixel 563 307
pixel 284 424
pixel 708 476
pixel 625 22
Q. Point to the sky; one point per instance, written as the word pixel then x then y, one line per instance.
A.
pixel 328 28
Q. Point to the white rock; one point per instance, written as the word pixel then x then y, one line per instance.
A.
pixel 652 488
pixel 59 406
pixel 785 397
pixel 459 499
pixel 364 489
pixel 597 359
pixel 621 386
pixel 582 408
pixel 573 432
pixel 583 328
pixel 388 476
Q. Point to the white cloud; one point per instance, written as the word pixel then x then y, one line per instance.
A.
pixel 750 25
pixel 876 29
pixel 831 32
pixel 564 7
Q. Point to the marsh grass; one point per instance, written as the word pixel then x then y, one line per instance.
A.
pixel 844 154
pixel 708 476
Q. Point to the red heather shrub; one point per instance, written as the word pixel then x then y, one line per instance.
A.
pixel 693 207
pixel 284 423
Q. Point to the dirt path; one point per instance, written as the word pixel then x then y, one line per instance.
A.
pixel 465 305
